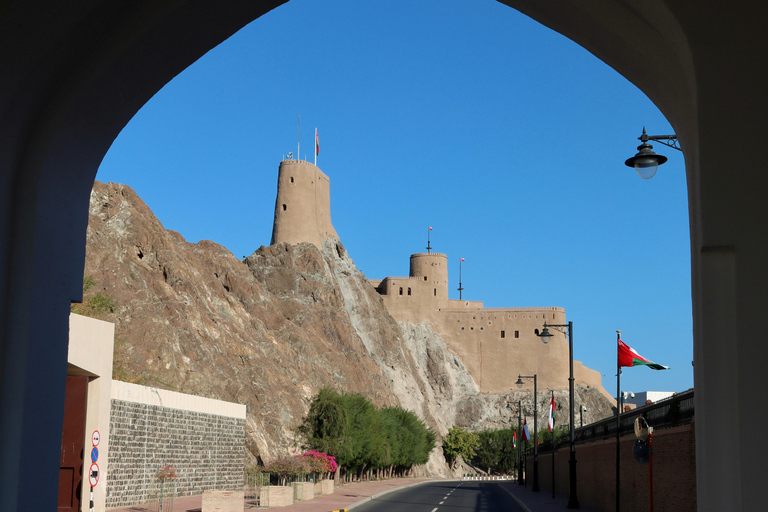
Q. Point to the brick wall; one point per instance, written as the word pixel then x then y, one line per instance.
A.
pixel 207 450
pixel 674 473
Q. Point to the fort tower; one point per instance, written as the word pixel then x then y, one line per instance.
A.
pixel 303 204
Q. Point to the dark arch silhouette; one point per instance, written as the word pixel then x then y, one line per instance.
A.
pixel 72 74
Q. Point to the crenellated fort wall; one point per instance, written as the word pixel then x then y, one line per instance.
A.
pixel 496 344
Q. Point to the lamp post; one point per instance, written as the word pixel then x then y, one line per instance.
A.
pixel 519 383
pixel 545 335
pixel 646 162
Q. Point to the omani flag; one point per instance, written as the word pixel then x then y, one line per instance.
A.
pixel 629 357
pixel 552 413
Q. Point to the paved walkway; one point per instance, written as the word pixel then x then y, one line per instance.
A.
pixel 541 501
pixel 350 495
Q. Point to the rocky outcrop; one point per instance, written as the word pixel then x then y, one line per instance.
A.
pixel 269 331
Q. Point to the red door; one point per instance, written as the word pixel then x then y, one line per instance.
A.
pixel 73 444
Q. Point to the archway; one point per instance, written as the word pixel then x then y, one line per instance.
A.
pixel 78 73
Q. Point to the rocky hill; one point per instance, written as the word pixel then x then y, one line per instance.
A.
pixel 271 330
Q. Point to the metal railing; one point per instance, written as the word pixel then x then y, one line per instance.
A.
pixel 670 412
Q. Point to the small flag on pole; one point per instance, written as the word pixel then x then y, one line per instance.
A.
pixel 629 357
pixel 317 146
pixel 526 434
pixel 430 228
pixel 462 259
pixel 514 439
pixel 552 413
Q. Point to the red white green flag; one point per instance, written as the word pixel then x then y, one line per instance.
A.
pixel 526 434
pixel 514 439
pixel 629 357
pixel 552 413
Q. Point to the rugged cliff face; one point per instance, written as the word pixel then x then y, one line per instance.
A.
pixel 271 330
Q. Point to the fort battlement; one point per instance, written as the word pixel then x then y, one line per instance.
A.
pixel 440 254
pixel 523 310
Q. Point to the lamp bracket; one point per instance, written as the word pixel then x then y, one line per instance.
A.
pixel 668 140
pixel 563 328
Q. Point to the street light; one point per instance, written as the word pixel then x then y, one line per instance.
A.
pixel 646 162
pixel 535 430
pixel 545 335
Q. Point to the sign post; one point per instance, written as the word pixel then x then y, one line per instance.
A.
pixel 93 471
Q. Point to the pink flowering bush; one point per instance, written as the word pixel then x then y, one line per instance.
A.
pixel 286 468
pixel 166 474
pixel 321 462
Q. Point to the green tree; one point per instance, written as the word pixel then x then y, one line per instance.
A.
pixel 325 426
pixel 363 433
pixel 460 442
pixel 488 450
pixel 362 438
pixel 508 453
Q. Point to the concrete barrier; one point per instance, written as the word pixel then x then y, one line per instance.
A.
pixel 223 501
pixel 303 491
pixel 276 496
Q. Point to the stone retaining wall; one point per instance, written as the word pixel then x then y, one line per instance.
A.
pixel 207 449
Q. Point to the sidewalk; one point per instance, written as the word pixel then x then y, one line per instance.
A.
pixel 349 495
pixel 541 501
pixel 344 496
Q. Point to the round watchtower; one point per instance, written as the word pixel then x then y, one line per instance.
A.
pixel 303 204
pixel 432 268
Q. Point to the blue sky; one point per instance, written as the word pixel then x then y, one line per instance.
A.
pixel 504 136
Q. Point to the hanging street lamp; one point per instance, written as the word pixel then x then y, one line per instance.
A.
pixel 646 162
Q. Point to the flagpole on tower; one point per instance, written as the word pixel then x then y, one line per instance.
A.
pixel 618 424
pixel 317 146
pixel 460 288
pixel 429 232
pixel 298 139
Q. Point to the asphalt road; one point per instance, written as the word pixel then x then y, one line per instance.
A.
pixel 476 496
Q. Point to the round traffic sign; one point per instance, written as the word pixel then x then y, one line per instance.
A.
pixel 94 454
pixel 95 438
pixel 93 474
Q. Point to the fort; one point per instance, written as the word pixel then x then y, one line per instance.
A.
pixel 495 344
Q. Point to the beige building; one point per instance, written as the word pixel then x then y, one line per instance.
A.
pixel 495 344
